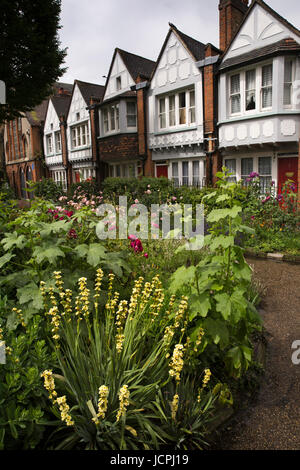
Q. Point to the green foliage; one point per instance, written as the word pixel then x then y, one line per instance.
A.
pixel 125 343
pixel 47 189
pixel 88 187
pixel 34 244
pixel 30 53
pixel 23 401
pixel 218 285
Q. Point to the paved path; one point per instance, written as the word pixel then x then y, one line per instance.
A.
pixel 273 422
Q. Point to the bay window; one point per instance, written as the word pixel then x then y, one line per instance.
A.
pixel 177 109
pixel 80 135
pixel 110 118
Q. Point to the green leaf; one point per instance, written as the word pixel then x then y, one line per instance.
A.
pixel 31 293
pixel 223 197
pixel 6 259
pixel 222 241
pixel 219 214
pixel 181 276
pixel 223 305
pixel 13 239
pixel 46 253
pixel 217 330
pixel 55 227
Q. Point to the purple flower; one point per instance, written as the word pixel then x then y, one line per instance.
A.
pixel 253 174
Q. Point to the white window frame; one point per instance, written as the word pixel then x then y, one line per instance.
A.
pixel 264 87
pixel 122 170
pixel 57 138
pixel 49 144
pixel 175 111
pixel 60 177
pixel 80 136
pixel 178 180
pixel 110 118
pixel 130 115
pixel 289 83
pixel 243 89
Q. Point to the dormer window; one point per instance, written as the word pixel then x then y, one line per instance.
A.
pixel 177 109
pixel 118 83
pixel 110 118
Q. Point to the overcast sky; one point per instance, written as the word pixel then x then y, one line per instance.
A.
pixel 91 29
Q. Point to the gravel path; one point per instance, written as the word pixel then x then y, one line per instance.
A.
pixel 273 422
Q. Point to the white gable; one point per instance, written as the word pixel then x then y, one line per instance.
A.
pixel 259 30
pixel 51 118
pixel 78 105
pixel 118 70
pixel 175 65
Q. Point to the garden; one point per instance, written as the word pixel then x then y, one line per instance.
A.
pixel 131 344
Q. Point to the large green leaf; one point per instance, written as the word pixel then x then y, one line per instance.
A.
pixel 217 330
pixel 13 239
pixel 219 214
pixel 6 259
pixel 47 253
pixel 94 253
pixel 199 305
pixel 31 294
pixel 223 305
pixel 222 241
pixel 181 276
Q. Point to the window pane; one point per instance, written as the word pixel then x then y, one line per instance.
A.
pixel 112 118
pixel 192 114
pixel 235 84
pixel 175 173
pixel 231 166
pixel 250 90
pixel 172 118
pixel 246 167
pixel 267 98
pixel 131 114
pixel 267 72
pixel 182 110
pixel 235 104
pixel 265 173
pixel 185 173
pixel 196 176
pixel 267 76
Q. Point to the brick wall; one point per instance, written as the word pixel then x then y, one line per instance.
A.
pixel 119 147
pixel 231 15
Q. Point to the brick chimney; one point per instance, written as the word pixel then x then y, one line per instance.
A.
pixel 232 13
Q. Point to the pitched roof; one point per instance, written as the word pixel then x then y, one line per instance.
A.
pixel 38 115
pixel 195 48
pixel 268 9
pixel 90 89
pixel 285 45
pixel 136 65
pixel 61 104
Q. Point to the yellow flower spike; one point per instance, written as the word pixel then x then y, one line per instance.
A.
pixel 124 395
pixel 98 282
pixel 102 403
pixel 49 384
pixel 206 379
pixel 174 406
pixel 120 321
pixel 20 316
pixel 177 362
pixel 64 411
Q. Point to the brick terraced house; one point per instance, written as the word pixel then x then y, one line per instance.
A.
pixel 122 140
pixel 23 144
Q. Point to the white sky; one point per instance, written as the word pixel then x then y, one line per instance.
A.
pixel 91 29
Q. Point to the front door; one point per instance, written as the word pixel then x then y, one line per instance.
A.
pixel 162 170
pixel 287 170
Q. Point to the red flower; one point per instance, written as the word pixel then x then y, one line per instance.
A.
pixel 72 233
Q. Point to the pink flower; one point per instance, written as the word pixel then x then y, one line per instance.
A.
pixel 174 198
pixel 146 255
pixel 136 201
pixel 155 225
pixel 131 237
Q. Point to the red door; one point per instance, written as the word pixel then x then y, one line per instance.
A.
pixel 162 170
pixel 287 170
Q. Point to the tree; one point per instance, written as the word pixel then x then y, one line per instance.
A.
pixel 30 55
